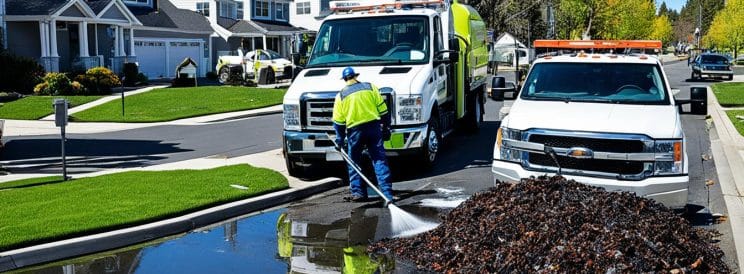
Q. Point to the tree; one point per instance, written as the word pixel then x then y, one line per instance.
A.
pixel 727 29
pixel 663 10
pixel 691 13
pixel 521 18
pixel 628 19
pixel 662 29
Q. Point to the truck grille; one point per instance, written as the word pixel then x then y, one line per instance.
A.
pixel 601 143
pixel 604 145
pixel 595 165
pixel 318 113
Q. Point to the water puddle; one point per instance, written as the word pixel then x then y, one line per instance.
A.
pixel 269 242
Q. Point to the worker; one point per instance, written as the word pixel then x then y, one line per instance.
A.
pixel 360 113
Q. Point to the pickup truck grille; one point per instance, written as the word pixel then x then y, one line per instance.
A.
pixel 595 165
pixel 605 145
pixel 318 112
pixel 599 142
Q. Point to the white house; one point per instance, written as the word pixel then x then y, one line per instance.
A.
pixel 308 13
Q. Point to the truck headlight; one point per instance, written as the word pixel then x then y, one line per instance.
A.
pixel 506 153
pixel 669 157
pixel 291 116
pixel 410 109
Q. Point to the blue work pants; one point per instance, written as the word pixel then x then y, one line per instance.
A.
pixel 368 135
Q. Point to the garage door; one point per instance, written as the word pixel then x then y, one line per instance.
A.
pixel 158 60
pixel 151 58
pixel 182 50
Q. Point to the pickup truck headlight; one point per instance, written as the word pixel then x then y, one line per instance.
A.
pixel 669 157
pixel 506 153
pixel 410 109
pixel 291 116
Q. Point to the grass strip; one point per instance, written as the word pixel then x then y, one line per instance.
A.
pixel 729 94
pixel 50 212
pixel 31 182
pixel 37 107
pixel 739 124
pixel 169 104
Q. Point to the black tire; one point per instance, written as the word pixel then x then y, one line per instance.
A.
pixel 293 168
pixel 731 77
pixel 224 76
pixel 474 117
pixel 428 155
pixel 271 76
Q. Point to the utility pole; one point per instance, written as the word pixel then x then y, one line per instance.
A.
pixel 700 22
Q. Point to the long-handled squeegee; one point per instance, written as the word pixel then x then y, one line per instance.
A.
pixel 358 170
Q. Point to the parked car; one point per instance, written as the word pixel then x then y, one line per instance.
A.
pixel 243 65
pixel 711 65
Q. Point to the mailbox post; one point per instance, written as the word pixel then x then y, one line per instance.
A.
pixel 60 120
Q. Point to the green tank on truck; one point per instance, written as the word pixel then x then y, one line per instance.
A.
pixel 429 59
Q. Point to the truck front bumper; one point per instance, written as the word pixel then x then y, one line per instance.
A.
pixel 716 73
pixel 670 191
pixel 316 145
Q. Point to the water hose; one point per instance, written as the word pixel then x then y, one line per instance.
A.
pixel 358 170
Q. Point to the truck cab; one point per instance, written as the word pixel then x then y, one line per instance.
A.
pixel 602 119
pixel 428 58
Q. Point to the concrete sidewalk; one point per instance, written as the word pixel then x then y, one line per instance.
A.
pixel 727 146
pixel 272 159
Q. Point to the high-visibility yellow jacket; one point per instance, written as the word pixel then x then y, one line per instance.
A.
pixel 358 103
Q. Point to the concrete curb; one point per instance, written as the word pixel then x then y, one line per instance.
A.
pixel 729 161
pixel 43 253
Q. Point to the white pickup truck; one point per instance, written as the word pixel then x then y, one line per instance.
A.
pixel 602 119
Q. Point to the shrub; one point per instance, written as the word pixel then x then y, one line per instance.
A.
pixel 142 78
pixel 20 74
pixel 131 71
pixel 98 80
pixel 56 83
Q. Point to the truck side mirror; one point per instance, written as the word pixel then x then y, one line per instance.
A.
pixel 698 101
pixel 454 44
pixel 499 88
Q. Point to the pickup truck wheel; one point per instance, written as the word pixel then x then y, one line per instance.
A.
pixel 224 75
pixel 432 141
pixel 731 77
pixel 693 76
pixel 293 168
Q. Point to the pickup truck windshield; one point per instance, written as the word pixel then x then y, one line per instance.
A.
pixel 378 41
pixel 714 59
pixel 614 83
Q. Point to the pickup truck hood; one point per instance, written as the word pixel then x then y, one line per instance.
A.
pixel 329 79
pixel 656 121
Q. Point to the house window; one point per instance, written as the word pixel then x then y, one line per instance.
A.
pixel 239 10
pixel 203 8
pixel 262 8
pixel 228 9
pixel 280 8
pixel 303 8
pixel 137 2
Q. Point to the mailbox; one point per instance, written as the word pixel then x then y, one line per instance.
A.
pixel 60 112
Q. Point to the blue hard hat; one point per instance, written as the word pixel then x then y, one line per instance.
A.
pixel 348 73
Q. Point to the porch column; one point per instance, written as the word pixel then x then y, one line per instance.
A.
pixel 83 31
pixel 53 38
pixel 43 38
pixel 264 41
pixel 121 42
pixel 116 41
pixel 95 39
pixel 131 42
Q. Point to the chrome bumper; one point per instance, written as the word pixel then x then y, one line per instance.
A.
pixel 716 72
pixel 317 144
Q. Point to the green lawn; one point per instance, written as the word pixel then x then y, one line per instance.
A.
pixel 43 213
pixel 169 104
pixel 739 124
pixel 31 182
pixel 36 107
pixel 729 94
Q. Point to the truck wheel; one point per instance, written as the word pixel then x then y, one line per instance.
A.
pixel 474 117
pixel 293 168
pixel 432 141
pixel 224 75
pixel 731 77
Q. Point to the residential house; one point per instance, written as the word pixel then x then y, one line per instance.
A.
pixel 308 13
pixel 247 24
pixel 69 35
pixel 2 26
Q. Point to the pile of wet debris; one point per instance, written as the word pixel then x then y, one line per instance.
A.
pixel 550 224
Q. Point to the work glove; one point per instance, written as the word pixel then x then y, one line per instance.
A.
pixel 386 133
pixel 340 135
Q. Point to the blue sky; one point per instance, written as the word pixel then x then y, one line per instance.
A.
pixel 673 4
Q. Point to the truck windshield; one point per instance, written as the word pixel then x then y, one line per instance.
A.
pixel 615 83
pixel 374 41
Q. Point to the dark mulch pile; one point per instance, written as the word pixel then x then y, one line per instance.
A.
pixel 555 225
